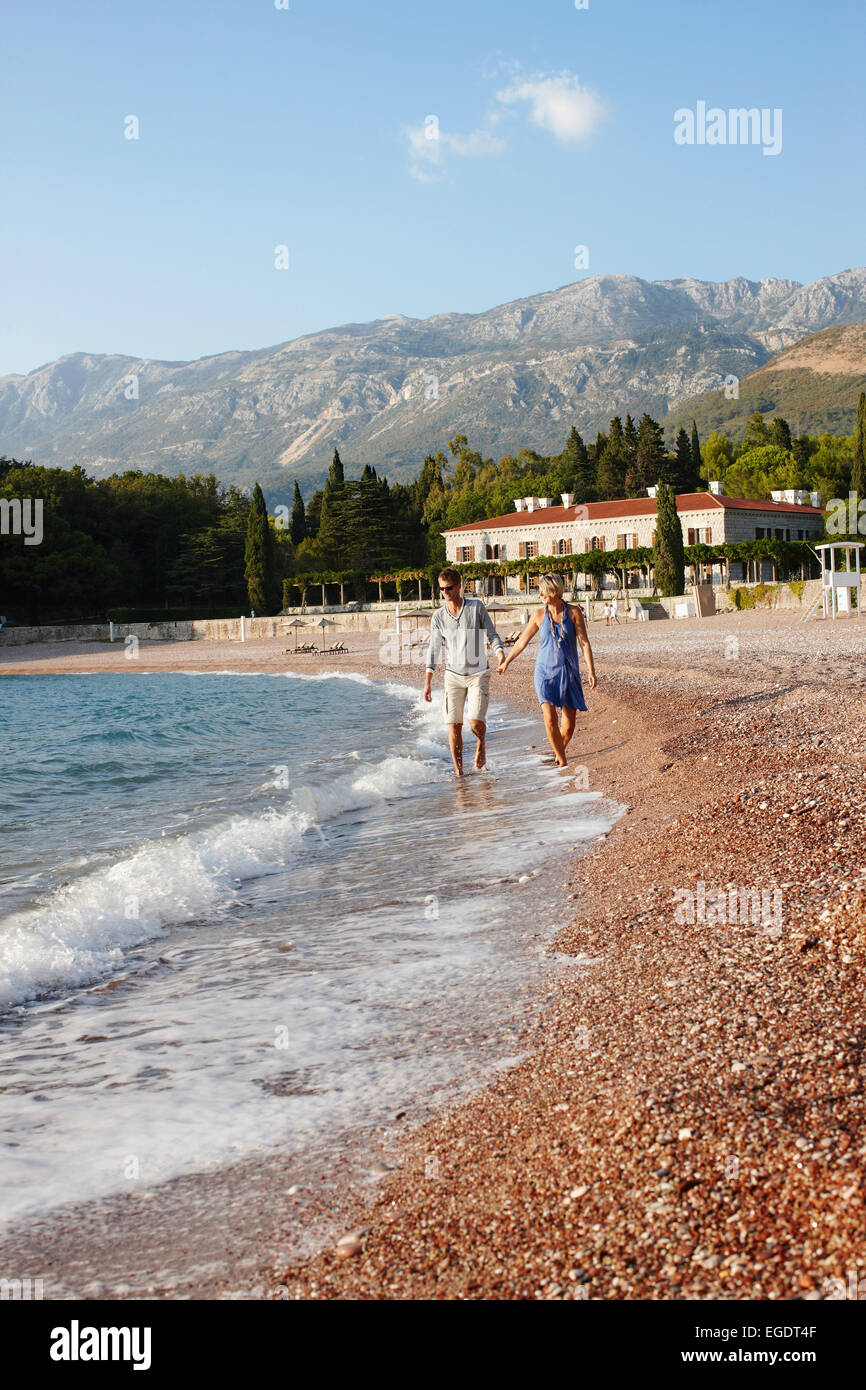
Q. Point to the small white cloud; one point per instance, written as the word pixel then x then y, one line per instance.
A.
pixel 428 146
pixel 558 104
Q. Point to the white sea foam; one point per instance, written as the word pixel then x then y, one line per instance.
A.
pixel 80 932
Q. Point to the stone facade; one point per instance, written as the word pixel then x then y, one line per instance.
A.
pixel 561 530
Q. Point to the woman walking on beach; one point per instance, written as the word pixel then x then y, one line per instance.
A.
pixel 557 671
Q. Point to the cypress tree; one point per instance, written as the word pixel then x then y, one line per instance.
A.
pixel 260 560
pixel 684 479
pixel 578 471
pixel 610 477
pixel 332 529
pixel 697 459
pixel 652 460
pixel 335 473
pixel 668 552
pixel 314 515
pixel 858 468
pixel 299 520
pixel 629 435
pixel 332 521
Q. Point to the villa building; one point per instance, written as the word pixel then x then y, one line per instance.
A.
pixel 537 528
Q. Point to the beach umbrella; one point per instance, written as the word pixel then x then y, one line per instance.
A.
pixel 323 623
pixel 502 608
pixel 417 613
pixel 296 623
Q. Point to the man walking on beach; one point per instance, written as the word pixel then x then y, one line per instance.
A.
pixel 462 624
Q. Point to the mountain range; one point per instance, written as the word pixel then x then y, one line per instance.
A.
pixel 391 391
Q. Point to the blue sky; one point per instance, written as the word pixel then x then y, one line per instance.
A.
pixel 308 127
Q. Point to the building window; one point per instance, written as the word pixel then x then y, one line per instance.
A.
pixel 801 535
pixel 759 533
pixel 692 536
pixel 594 543
pixel 465 554
pixel 491 552
pixel 708 535
pixel 562 547
pixel 780 533
pixel 469 586
pixel 528 550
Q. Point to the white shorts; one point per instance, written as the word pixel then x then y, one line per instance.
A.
pixel 467 695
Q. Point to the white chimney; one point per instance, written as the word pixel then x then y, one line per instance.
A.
pixel 567 498
pixel 801 496
pixel 777 496
pixel 531 503
pixel 544 501
pixel 815 499
pixel 651 492
pixel 519 504
pixel 716 487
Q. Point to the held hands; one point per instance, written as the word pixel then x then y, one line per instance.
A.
pixel 504 662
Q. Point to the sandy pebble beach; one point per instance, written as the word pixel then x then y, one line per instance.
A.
pixel 689 1120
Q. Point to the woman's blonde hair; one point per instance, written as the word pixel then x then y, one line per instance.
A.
pixel 550 584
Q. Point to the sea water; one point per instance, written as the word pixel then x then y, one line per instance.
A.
pixel 239 911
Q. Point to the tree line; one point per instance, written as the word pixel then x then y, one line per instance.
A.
pixel 141 541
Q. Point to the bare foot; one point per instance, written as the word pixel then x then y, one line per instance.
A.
pixel 480 755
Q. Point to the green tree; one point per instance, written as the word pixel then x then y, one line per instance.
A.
pixel 757 471
pixel 369 522
pixel 668 551
pixel 757 433
pixel 780 434
pixel 314 514
pixel 629 434
pixel 578 470
pixel 718 455
pixel 335 473
pixel 697 460
pixel 260 569
pixel 299 520
pixel 651 461
pixel 209 565
pixel 858 466
pixel 611 473
pixel 684 479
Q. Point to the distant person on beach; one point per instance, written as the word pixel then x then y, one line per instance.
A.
pixel 610 612
pixel 463 626
pixel 557 671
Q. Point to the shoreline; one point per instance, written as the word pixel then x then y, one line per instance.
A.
pixel 230 1219
pixel 690 1119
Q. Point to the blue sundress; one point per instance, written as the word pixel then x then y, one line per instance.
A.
pixel 557 672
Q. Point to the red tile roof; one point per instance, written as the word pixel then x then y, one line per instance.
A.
pixel 629 507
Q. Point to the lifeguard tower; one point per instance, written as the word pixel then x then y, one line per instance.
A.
pixel 836 584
